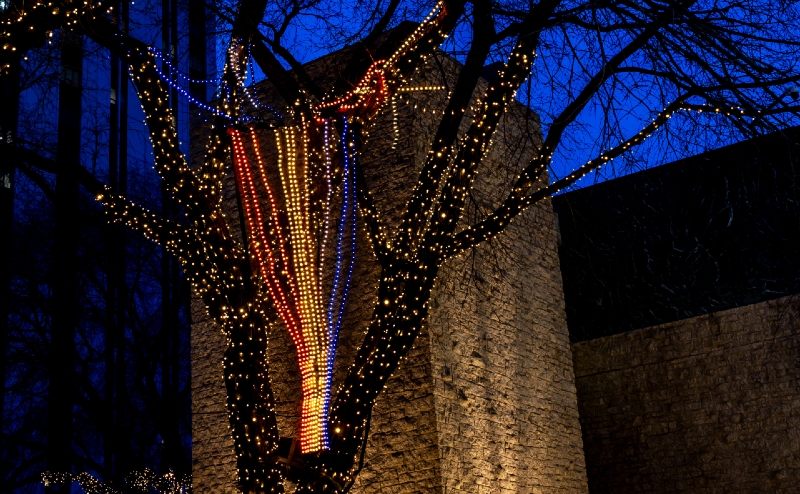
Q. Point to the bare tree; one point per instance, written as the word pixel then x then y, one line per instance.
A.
pixel 104 303
pixel 640 65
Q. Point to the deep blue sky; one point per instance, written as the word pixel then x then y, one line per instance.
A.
pixel 557 76
pixel 331 24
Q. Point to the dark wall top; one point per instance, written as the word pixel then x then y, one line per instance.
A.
pixel 707 233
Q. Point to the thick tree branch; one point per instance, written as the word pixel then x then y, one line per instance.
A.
pixel 172 236
pixel 407 48
pixel 381 25
pixel 378 231
pixel 476 142
pixel 298 71
pixel 518 200
pixel 248 17
pixel 439 156
pixel 282 80
pixel 246 33
pixel 203 212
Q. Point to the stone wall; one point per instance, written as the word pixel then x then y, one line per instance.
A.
pixel 485 401
pixel 213 461
pixel 506 408
pixel 709 404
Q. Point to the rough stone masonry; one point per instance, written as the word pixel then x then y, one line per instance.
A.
pixel 708 404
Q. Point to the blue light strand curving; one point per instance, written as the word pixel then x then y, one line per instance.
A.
pixel 172 82
pixel 347 220
pixel 174 70
pixel 191 98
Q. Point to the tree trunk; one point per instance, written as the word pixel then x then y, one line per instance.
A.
pixel 122 455
pixel 65 263
pixel 114 443
pixel 9 112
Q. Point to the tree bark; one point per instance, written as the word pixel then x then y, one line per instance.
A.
pixel 116 443
pixel 61 389
pixel 9 112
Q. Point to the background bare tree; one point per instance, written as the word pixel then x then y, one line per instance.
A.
pixel 83 378
pixel 603 76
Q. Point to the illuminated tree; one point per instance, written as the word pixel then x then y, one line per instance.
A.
pixel 650 61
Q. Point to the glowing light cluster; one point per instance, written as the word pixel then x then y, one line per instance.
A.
pixel 144 481
pixel 373 91
pixel 289 248
pixel 370 92
pixel 410 89
pixel 235 63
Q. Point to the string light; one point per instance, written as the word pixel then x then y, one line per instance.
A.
pixel 172 82
pixel 348 217
pixel 313 328
pixel 419 88
pixel 185 93
pixel 177 73
pixel 143 481
pixel 235 63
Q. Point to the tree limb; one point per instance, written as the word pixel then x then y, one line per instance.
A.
pixel 517 201
pixel 494 104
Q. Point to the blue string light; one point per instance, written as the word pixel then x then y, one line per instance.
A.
pixel 348 217
pixel 349 192
pixel 173 70
pixel 191 98
pixel 171 81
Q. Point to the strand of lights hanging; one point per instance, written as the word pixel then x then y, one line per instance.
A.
pixel 173 81
pixel 287 243
pixel 370 93
pixel 185 93
pixel 176 73
pixel 288 246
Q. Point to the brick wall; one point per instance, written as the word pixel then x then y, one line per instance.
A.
pixel 485 401
pixel 709 404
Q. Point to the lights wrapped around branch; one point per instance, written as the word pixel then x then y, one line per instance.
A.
pixel 239 69
pixel 373 90
pixel 288 247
